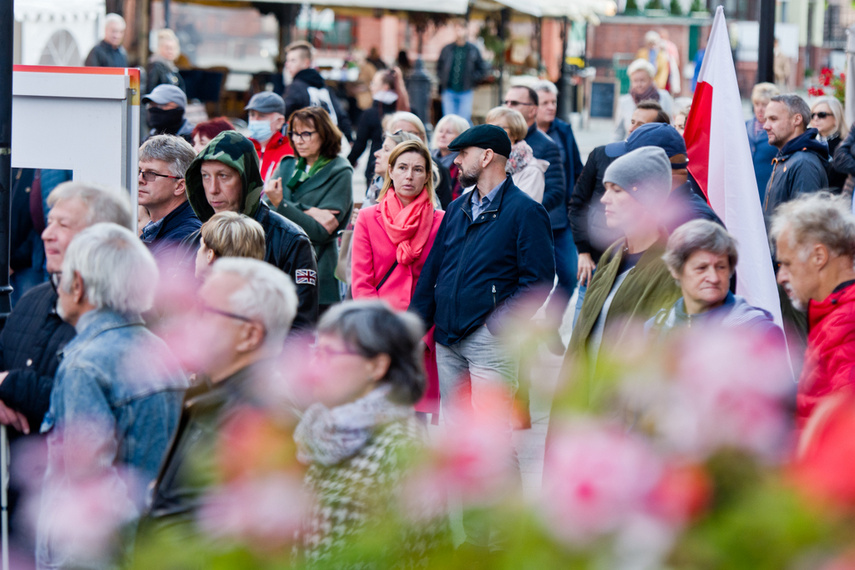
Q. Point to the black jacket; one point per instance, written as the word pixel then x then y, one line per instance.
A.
pixel 29 343
pixel 105 55
pixel 555 190
pixel 176 226
pixel 188 469
pixel 475 70
pixel 587 215
pixel 370 130
pixel 305 91
pixel 799 168
pixel 683 205
pixel 162 72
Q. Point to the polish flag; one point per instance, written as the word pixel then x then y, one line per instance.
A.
pixel 720 161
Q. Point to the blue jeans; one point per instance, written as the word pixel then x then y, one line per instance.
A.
pixel 566 265
pixel 458 103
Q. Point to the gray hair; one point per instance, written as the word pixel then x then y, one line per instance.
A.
pixel 795 105
pixel 268 295
pixel 641 64
pixel 117 270
pixel 174 151
pixel 818 217
pixel 102 204
pixel 456 122
pixel 699 235
pixel 411 118
pixel 113 18
pixel 837 110
pixel 546 86
pixel 371 328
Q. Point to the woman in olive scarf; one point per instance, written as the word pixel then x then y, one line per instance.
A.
pixel 314 190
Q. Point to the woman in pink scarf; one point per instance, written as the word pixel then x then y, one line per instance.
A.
pixel 392 239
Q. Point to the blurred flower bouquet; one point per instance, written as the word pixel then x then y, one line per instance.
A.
pixel 678 454
pixel 829 83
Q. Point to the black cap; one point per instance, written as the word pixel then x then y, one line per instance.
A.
pixel 662 135
pixel 483 136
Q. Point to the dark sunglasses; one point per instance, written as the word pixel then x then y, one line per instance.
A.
pixel 820 115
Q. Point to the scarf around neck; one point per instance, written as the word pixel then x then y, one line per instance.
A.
pixel 408 227
pixel 300 175
pixel 650 93
pixel 521 156
pixel 329 436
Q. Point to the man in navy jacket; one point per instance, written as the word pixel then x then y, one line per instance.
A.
pixel 492 259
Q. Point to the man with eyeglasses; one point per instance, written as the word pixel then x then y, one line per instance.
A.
pixel 800 165
pixel 163 160
pixel 34 332
pixel 245 313
pixel 225 178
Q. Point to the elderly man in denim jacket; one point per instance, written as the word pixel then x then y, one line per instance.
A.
pixel 115 403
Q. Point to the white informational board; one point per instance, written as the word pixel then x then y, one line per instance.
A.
pixel 82 119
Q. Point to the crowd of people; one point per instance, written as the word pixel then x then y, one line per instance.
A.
pixel 253 266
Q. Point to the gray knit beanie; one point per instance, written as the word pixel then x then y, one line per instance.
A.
pixel 644 172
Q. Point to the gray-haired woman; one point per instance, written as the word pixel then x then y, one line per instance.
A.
pixel 368 366
pixel 702 257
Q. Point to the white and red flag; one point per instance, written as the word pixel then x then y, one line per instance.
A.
pixel 720 161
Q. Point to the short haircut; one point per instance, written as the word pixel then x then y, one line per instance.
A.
pixel 546 86
pixel 267 296
pixel 641 65
pixel 168 35
pixel 516 122
pixel 173 150
pixel 113 18
pixel 795 105
pixel 212 127
pixel 836 110
pixel 319 119
pixel 304 47
pixel 418 147
pixel 229 234
pixel 699 235
pixel 651 105
pixel 818 217
pixel 764 92
pixel 532 94
pixel 456 122
pixel 102 204
pixel 117 269
pixel 411 118
pixel 372 328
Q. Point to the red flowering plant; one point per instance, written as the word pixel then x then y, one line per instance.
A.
pixel 829 83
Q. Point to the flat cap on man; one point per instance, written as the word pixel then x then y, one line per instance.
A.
pixel 483 136
pixel 266 102
pixel 163 94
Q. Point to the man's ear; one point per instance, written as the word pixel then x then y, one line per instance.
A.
pixel 78 289
pixel 251 338
pixel 819 255
pixel 799 120
pixel 487 157
pixel 180 188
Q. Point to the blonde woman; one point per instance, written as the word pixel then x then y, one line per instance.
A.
pixel 527 171
pixel 826 116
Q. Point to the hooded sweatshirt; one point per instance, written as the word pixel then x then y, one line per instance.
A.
pixel 286 245
pixel 800 167
pixel 309 90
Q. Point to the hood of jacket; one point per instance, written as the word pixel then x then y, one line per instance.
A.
pixel 806 141
pixel 238 152
pixel 311 77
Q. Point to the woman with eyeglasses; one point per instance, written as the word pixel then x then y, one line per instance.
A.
pixel 367 376
pixel 826 116
pixel 314 190
pixel 392 240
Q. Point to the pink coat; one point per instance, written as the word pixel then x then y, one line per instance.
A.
pixel 374 253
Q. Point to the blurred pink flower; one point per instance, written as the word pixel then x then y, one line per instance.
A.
pixel 470 459
pixel 596 479
pixel 266 512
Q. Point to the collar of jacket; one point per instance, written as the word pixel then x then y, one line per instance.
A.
pixel 97 321
pixel 311 77
pixel 495 205
pixel 804 142
pixel 819 310
pixel 204 394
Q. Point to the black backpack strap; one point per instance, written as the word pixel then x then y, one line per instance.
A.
pixel 388 273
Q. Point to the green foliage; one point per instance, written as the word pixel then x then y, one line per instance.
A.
pixel 676 8
pixel 655 5
pixel 631 7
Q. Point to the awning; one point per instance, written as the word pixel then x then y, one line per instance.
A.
pixel 578 10
pixel 445 6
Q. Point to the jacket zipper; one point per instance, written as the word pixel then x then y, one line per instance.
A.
pixel 494 295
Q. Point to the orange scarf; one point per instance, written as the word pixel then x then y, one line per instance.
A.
pixel 408 228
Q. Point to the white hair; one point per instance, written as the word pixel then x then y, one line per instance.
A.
pixel 102 204
pixel 117 270
pixel 652 37
pixel 641 64
pixel 456 122
pixel 113 19
pixel 545 85
pixel 268 295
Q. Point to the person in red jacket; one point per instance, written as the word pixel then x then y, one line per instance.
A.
pixel 814 238
pixel 266 111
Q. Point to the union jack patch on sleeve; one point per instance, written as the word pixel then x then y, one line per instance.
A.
pixel 306 277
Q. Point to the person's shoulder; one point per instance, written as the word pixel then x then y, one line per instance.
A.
pixel 274 220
